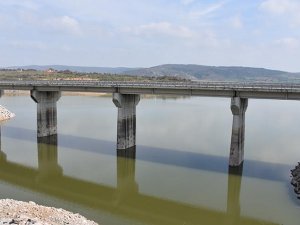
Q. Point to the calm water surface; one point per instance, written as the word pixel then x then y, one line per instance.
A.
pixel 180 173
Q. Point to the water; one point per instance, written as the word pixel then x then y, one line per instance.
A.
pixel 180 174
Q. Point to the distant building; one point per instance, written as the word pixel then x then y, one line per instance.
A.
pixel 50 70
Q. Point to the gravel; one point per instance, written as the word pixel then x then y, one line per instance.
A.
pixel 27 213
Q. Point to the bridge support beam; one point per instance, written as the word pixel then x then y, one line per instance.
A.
pixel 126 130
pixel 238 108
pixel 46 111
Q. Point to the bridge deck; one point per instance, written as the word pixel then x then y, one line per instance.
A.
pixel 196 88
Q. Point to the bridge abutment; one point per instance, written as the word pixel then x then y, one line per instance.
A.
pixel 126 130
pixel 46 111
pixel 238 108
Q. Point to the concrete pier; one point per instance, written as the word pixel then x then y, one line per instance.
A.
pixel 46 111
pixel 126 130
pixel 238 108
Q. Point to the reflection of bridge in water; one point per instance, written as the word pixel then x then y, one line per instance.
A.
pixel 124 200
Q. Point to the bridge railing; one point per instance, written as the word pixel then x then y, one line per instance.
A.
pixel 226 85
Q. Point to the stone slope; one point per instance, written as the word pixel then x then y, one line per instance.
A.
pixel 5 114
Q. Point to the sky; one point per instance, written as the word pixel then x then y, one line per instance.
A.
pixel 144 33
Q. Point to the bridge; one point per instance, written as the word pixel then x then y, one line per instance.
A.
pixel 126 95
pixel 196 88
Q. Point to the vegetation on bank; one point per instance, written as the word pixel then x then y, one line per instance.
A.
pixel 51 74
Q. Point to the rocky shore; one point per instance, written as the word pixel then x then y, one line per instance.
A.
pixel 28 213
pixel 296 179
pixel 5 114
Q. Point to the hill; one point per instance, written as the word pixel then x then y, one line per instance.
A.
pixel 217 73
pixel 184 71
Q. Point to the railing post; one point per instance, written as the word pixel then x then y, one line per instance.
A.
pixel 46 111
pixel 126 130
pixel 238 108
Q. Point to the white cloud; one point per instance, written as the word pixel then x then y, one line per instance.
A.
pixel 65 24
pixel 288 42
pixel 161 29
pixel 24 4
pixel 187 2
pixel 29 20
pixel 286 9
pixel 66 48
pixel 3 19
pixel 280 6
pixel 206 10
pixel 26 44
pixel 236 22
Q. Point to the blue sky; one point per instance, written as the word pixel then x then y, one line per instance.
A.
pixel 140 33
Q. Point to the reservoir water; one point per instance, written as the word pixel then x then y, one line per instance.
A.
pixel 178 173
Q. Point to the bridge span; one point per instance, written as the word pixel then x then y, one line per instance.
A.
pixel 192 88
pixel 126 95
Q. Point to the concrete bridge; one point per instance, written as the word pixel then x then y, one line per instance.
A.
pixel 126 95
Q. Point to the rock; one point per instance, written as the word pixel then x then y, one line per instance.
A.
pixel 296 179
pixel 5 114
pixel 27 213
